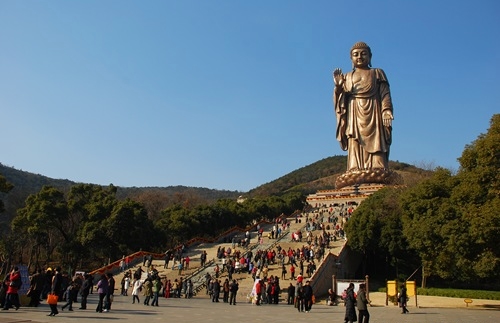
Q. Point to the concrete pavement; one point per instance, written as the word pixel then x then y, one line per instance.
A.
pixel 202 310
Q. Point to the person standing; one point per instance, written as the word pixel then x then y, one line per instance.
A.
pixel 102 290
pixel 299 296
pixel 156 287
pixel 126 284
pixel 277 289
pixel 283 272
pixel 85 291
pixel 350 310
pixel 308 296
pixel 259 290
pixel 225 291
pixel 362 304
pixel 136 288
pixel 37 281
pixel 127 262
pixel 147 291
pixel 203 258
pixel 216 270
pixel 216 290
pixel 233 290
pixel 122 264
pixel 13 285
pixel 180 268
pixel 402 299
pixel 291 294
pixel 189 291
pixel 110 293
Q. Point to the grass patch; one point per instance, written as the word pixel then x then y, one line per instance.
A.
pixel 457 293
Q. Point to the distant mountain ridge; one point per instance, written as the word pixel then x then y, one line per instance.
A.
pixel 308 179
pixel 26 183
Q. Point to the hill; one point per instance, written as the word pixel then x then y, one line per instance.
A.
pixel 306 180
pixel 321 175
pixel 26 183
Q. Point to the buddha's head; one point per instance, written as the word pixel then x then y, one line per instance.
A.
pixel 361 55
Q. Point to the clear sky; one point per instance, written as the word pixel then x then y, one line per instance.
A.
pixel 231 94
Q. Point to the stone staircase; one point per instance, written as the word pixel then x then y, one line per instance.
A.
pixel 197 273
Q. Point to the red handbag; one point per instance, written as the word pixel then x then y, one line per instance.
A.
pixel 52 299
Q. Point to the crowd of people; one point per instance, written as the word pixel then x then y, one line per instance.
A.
pixel 292 262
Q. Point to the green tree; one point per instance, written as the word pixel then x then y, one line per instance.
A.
pixel 375 230
pixel 477 197
pixel 92 205
pixel 128 229
pixel 42 224
pixel 453 221
pixel 427 213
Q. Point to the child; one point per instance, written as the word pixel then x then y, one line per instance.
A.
pixel 72 292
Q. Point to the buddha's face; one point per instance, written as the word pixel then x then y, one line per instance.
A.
pixel 361 57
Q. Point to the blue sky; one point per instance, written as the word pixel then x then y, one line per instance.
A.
pixel 232 94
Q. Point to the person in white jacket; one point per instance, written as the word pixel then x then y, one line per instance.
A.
pixel 136 288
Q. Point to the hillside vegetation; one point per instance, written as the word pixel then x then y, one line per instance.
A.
pixel 306 180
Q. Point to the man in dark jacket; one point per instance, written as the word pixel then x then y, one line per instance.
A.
pixel 291 294
pixel 85 290
pixel 37 281
pixel 233 290
pixel 308 294
pixel 111 292
pixel 56 289
pixel 362 302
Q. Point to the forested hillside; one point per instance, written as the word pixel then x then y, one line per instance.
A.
pixel 26 183
pixel 305 180
pixel 321 175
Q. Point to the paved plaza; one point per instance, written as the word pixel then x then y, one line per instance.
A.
pixel 202 310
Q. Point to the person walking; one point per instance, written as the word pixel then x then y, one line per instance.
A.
pixel 56 289
pixel 350 310
pixel 72 291
pixel 13 284
pixel 362 304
